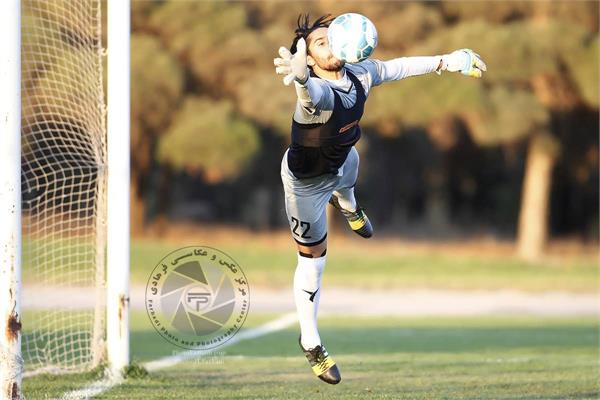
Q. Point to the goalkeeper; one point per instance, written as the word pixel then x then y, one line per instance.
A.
pixel 321 164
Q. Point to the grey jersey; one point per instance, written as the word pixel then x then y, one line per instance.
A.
pixel 315 97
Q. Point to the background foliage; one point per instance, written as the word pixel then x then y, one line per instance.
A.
pixel 439 155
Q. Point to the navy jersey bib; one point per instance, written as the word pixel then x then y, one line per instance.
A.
pixel 318 149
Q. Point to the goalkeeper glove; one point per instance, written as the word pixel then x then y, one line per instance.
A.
pixel 293 66
pixel 465 61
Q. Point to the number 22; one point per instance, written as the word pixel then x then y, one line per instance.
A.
pixel 302 225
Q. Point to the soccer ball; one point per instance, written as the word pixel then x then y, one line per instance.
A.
pixel 352 37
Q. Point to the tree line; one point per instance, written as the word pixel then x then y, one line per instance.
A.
pixel 513 153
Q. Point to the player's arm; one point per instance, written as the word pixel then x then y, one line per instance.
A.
pixel 400 68
pixel 464 61
pixel 312 93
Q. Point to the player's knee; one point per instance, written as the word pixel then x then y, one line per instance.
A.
pixel 319 250
pixel 313 254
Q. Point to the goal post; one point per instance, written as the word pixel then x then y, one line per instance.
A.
pixel 10 200
pixel 73 172
pixel 117 305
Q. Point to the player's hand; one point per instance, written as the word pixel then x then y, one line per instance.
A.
pixel 465 61
pixel 293 66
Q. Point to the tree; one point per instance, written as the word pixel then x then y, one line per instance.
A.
pixel 543 75
pixel 207 137
pixel 527 82
pixel 157 84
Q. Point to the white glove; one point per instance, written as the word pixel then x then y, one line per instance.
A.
pixel 465 61
pixel 292 66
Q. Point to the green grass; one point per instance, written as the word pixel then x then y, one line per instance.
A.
pixel 380 358
pixel 412 358
pixel 368 266
pixel 365 264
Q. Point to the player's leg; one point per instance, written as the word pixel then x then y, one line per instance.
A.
pixel 311 260
pixel 307 293
pixel 343 198
pixel 305 203
pixel 307 279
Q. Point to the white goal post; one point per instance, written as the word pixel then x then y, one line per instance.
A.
pixel 10 200
pixel 117 302
pixel 64 184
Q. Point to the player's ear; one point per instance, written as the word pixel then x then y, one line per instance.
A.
pixel 310 61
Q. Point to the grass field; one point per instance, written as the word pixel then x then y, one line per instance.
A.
pixel 376 264
pixel 357 263
pixel 380 358
pixel 492 357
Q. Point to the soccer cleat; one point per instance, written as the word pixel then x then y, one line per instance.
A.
pixel 358 220
pixel 322 365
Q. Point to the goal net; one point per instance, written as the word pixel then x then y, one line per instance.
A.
pixel 63 185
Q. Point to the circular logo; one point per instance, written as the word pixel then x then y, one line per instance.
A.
pixel 197 297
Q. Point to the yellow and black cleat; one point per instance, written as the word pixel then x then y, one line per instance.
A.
pixel 322 365
pixel 358 220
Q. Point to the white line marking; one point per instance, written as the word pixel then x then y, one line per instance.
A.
pixel 269 327
pixel 107 383
pixel 93 389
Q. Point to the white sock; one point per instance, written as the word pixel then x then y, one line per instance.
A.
pixel 307 287
pixel 346 198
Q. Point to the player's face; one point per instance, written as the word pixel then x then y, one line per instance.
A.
pixel 319 53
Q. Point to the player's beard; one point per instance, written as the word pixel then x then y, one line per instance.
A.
pixel 332 64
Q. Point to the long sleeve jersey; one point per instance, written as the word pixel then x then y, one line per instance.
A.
pixel 315 96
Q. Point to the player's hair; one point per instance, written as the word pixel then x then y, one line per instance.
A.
pixel 305 28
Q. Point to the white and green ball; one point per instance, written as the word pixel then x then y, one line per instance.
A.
pixel 352 37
